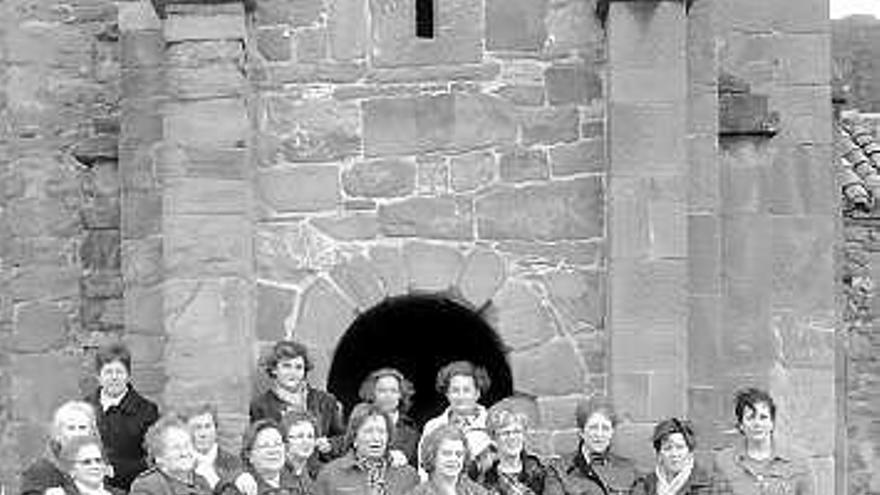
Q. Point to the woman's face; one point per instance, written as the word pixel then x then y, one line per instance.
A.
pixel 289 373
pixel 674 453
pixel 511 439
pixel 88 466
pixel 113 378
pixel 462 393
pixel 450 458
pixel 372 437
pixel 74 424
pixel 387 393
pixel 204 432
pixel 757 423
pixel 300 440
pixel 177 454
pixel 267 453
pixel 597 432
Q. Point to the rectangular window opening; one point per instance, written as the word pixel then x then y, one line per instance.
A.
pixel 425 19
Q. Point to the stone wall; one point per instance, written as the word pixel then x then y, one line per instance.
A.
pixel 471 164
pixel 59 210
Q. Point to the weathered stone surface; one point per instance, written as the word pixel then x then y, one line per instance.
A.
pixel 389 262
pixel 314 130
pixel 481 277
pixel 523 319
pixel 573 25
pixel 302 188
pixel 39 327
pixel 550 125
pixel 472 171
pixel 193 27
pixel 805 342
pixel 19 251
pixel 569 210
pixel 649 293
pixel 349 227
pixel 102 284
pixel 432 176
pixel 100 250
pixel 143 310
pixel 142 261
pixel 557 413
pixel 311 45
pixel 431 267
pixel 42 382
pixel 209 123
pixel 516 25
pixel 745 316
pixel 211 314
pixel 347 26
pixel 44 282
pixel 453 122
pixel 586 156
pixel 651 137
pixel 806 401
pixel 358 279
pixel 521 94
pixel 205 196
pixel 572 84
pixel 803 263
pixel 289 252
pixel 483 71
pixel 200 245
pixel 323 318
pixel 551 255
pixel 438 218
pixel 532 375
pixel 380 178
pixel 31 217
pixel 274 306
pixel 457 34
pixel 293 12
pixel 274 43
pixel 578 297
pixel 522 164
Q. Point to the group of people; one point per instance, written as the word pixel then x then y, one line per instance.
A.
pixel 114 442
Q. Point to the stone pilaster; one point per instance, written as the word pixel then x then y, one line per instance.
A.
pixel 648 222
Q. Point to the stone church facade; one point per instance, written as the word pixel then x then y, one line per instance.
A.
pixel 633 198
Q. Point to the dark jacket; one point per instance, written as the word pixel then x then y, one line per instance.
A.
pixel 406 439
pixel 291 484
pixel 735 474
pixel 42 474
pixel 71 489
pixel 575 476
pixel 122 430
pixel 699 483
pixel 465 486
pixel 344 476
pixel 228 465
pixel 533 476
pixel 322 405
pixel 154 482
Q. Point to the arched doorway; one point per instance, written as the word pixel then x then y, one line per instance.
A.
pixel 417 334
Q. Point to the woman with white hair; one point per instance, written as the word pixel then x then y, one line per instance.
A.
pixel 72 419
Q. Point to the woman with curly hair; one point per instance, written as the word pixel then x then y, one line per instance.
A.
pixel 392 392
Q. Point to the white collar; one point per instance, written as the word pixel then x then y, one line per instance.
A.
pixel 84 490
pixel 108 402
pixel 208 457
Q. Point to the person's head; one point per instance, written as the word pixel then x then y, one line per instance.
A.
pixel 169 444
pixel 444 452
pixel 288 364
pixel 74 418
pixel 202 422
pixel 370 430
pixel 83 459
pixel 389 389
pixel 301 430
pixel 462 383
pixel 674 442
pixel 263 446
pixel 755 414
pixel 113 365
pixel 596 421
pixel 507 428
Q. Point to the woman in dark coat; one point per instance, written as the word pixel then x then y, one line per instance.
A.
pixel 676 472
pixel 514 471
pixel 366 468
pixel 594 469
pixel 72 419
pixel 444 453
pixel 213 463
pixel 123 415
pixel 392 392
pixel 169 445
pixel 288 366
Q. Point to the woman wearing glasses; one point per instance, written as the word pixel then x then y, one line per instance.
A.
pixel 84 462
pixel 514 471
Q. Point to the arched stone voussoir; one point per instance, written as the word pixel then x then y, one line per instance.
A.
pixel 360 281
pixel 391 268
pixel 483 274
pixel 522 318
pixel 431 267
pixel 325 315
pixel 553 368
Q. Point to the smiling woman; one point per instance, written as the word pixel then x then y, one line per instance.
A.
pixel 84 461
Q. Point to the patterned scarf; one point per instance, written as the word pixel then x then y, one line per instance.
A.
pixel 375 468
pixel 294 400
pixel 671 487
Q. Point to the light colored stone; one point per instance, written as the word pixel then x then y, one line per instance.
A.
pixel 210 123
pixel 586 156
pixel 578 297
pixel 521 164
pixel 314 130
pixel 179 28
pixel 443 217
pixel 205 196
pixel 347 24
pixel 39 327
pixel 349 226
pixel 431 267
pixel 472 171
pixel 380 178
pixel 391 266
pixel 516 25
pixel 300 189
pixel 549 125
pixel 532 375
pixel 524 321
pixel 323 318
pixel 359 280
pixel 200 245
pixel 274 306
pixel 482 276
pixel 41 383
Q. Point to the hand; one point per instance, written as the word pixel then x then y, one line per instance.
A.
pixel 246 484
pixel 55 490
pixel 398 459
pixel 323 445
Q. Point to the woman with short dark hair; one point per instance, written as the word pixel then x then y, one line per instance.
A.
pixel 213 463
pixel 392 392
pixel 595 469
pixel 288 365
pixel 758 465
pixel 444 454
pixel 366 468
pixel 676 472
pixel 170 448
pixel 122 413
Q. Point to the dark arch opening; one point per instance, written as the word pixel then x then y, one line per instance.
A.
pixel 417 335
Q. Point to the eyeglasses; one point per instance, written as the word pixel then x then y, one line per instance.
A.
pixel 90 461
pixel 269 446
